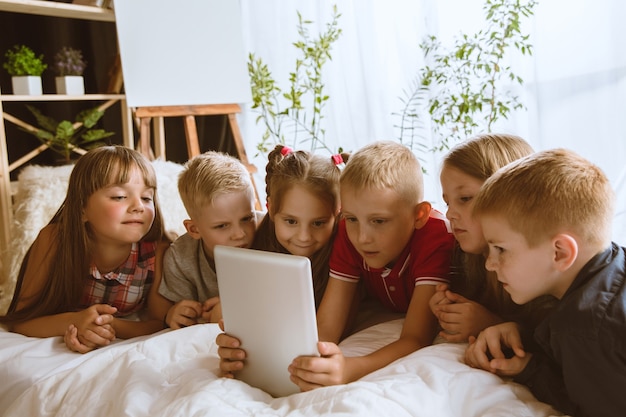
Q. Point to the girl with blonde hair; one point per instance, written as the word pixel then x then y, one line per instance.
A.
pixel 476 299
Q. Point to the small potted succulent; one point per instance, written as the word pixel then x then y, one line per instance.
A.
pixel 25 69
pixel 69 66
pixel 65 136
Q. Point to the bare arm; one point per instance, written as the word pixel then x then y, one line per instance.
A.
pixel 92 323
pixel 333 368
pixel 418 331
pixel 461 318
pixel 334 309
pixel 36 274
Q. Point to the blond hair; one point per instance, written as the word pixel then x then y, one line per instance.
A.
pixel 482 155
pixel 209 175
pixel 479 157
pixel 551 192
pixel 386 165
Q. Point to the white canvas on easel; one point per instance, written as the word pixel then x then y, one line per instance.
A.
pixel 182 52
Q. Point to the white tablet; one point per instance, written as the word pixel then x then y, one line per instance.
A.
pixel 268 304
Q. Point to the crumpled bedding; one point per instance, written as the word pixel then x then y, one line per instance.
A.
pixel 174 373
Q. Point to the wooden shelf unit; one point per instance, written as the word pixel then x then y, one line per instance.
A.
pixel 53 9
pixel 57 9
pixel 62 97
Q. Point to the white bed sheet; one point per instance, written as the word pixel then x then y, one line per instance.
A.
pixel 174 373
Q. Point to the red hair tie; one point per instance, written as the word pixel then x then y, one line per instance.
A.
pixel 338 160
pixel 286 150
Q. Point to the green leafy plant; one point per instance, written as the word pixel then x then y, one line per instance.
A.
pixel 21 61
pixel 295 116
pixel 69 61
pixel 465 90
pixel 64 137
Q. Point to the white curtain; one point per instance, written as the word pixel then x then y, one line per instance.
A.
pixel 575 81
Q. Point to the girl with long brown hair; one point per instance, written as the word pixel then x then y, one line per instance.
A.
pixel 302 208
pixel 99 258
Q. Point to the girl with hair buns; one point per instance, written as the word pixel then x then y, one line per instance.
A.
pixel 302 215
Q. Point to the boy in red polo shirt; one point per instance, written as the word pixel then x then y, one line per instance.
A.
pixel 390 239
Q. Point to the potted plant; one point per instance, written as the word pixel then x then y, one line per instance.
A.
pixel 66 137
pixel 69 66
pixel 25 69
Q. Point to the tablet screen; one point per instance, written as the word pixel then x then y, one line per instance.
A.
pixel 268 304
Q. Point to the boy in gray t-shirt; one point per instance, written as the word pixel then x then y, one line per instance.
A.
pixel 218 195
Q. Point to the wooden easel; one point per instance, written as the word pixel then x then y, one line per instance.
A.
pixel 189 113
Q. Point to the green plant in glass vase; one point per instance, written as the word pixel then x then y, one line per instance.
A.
pixel 295 116
pixel 65 137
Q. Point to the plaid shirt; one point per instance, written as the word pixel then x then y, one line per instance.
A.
pixel 125 288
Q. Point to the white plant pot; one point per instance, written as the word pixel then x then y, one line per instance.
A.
pixel 27 85
pixel 72 85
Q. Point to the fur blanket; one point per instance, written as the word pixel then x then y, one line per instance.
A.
pixel 41 190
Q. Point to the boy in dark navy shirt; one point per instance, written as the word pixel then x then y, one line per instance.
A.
pixel 547 220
